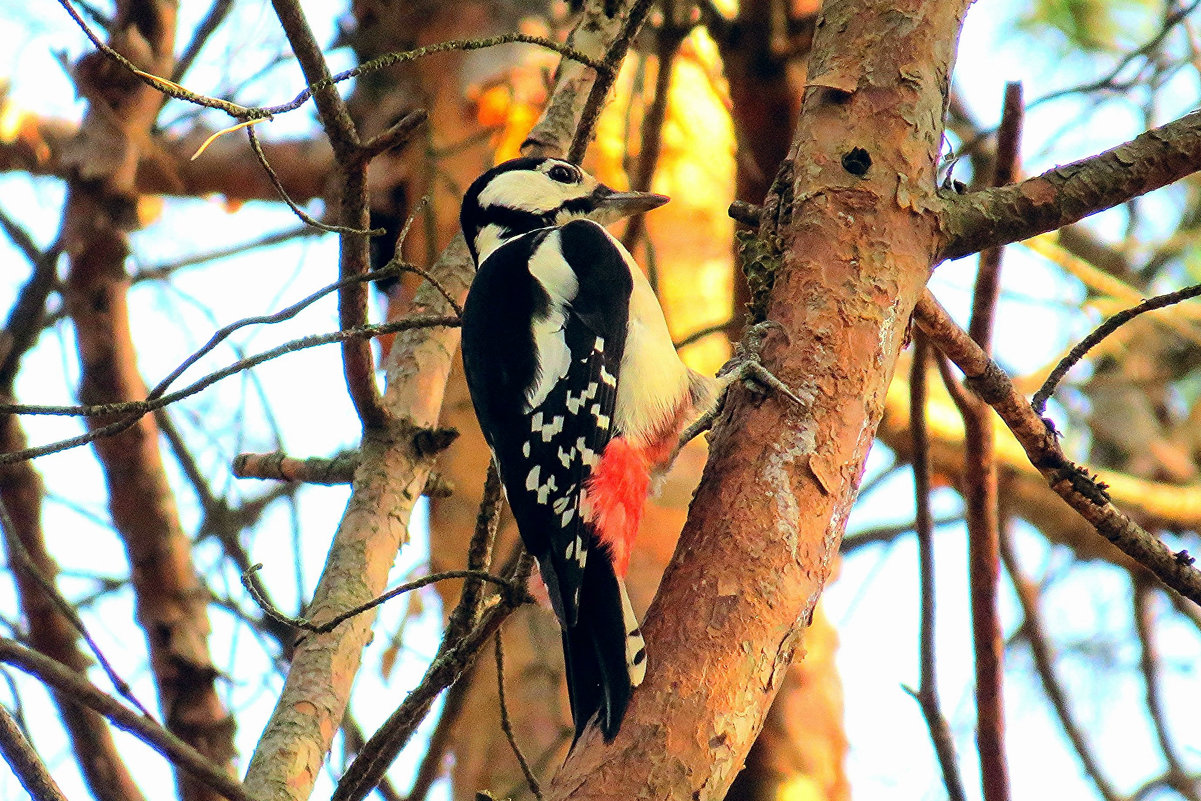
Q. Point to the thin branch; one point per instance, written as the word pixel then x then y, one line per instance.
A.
pixel 28 314
pixel 927 694
pixel 516 595
pixel 465 45
pixel 138 408
pixel 352 737
pixel 1005 167
pixel 172 89
pixel 889 533
pixel 358 364
pixel 698 335
pixel 447 668
pixel 169 88
pixel 164 742
pixel 1039 401
pixel 605 79
pixel 1068 480
pixel 26 765
pixel 431 764
pixel 479 556
pixel 668 40
pixel 19 555
pixel 1044 664
pixel 217 13
pixel 507 725
pixel 307 218
pixel 1108 81
pixel 979 489
pixel 160 271
pixel 1144 624
pixel 394 135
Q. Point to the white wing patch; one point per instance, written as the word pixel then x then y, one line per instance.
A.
pixel 554 358
pixel 555 276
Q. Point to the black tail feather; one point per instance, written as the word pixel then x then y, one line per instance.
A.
pixel 594 652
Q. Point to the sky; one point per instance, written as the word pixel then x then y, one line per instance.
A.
pixel 873 603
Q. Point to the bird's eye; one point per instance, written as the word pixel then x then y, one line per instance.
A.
pixel 564 174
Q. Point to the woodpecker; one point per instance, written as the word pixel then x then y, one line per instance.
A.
pixel 581 397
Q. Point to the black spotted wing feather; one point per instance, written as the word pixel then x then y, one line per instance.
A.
pixel 547 453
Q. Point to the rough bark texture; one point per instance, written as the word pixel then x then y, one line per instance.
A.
pixel 100 209
pixel 803 744
pixel 773 503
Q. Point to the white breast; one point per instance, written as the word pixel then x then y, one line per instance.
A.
pixel 653 382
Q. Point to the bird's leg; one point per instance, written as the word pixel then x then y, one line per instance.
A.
pixel 746 366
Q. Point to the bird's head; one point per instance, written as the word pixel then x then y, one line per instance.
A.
pixel 526 194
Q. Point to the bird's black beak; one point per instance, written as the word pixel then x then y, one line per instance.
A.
pixel 612 206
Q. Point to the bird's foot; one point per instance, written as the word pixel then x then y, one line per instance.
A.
pixel 746 365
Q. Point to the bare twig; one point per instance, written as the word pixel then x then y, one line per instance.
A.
pixel 515 593
pixel 172 89
pixel 160 271
pixel 479 556
pixel 927 694
pixel 138 408
pixel 27 316
pixel 431 763
pixel 1144 624
pixel 19 555
pixel 979 489
pixel 358 364
pixel 668 40
pixel 173 748
pixel 1039 401
pixel 1044 663
pixel 447 668
pixel 217 13
pixel 605 78
pixel 698 335
pixel 393 59
pixel 1068 480
pixel 1109 80
pixel 507 725
pixel 307 218
pixel 395 135
pixel 352 737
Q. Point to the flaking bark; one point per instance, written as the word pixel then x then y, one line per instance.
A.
pixel 771 508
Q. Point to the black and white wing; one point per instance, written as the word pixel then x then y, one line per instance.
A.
pixel 548 388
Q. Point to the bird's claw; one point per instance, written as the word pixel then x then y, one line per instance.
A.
pixel 747 364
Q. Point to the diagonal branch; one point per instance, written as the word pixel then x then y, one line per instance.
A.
pixel 72 683
pixel 1041 444
pixel 29 769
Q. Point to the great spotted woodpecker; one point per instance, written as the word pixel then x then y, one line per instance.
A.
pixel 581 397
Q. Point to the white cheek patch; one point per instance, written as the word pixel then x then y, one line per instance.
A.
pixel 529 190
